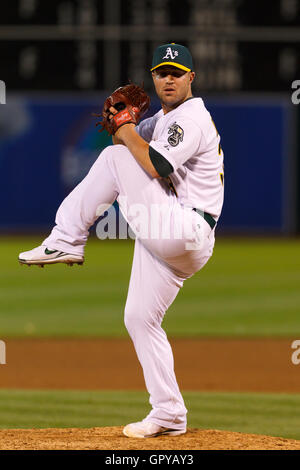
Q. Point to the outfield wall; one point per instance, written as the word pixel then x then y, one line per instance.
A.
pixel 48 143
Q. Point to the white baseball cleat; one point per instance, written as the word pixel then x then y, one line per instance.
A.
pixel 148 429
pixel 43 255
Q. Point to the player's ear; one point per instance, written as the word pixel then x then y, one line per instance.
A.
pixel 192 76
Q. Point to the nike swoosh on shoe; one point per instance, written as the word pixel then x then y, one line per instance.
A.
pixel 49 252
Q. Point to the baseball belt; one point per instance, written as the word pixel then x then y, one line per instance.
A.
pixel 209 218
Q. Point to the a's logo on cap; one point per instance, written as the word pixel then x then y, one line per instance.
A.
pixel 170 54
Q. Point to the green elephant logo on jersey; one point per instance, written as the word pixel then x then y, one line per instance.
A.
pixel 176 136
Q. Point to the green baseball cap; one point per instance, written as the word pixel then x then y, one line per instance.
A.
pixel 172 54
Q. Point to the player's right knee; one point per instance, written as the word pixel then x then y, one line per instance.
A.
pixel 130 318
pixel 137 318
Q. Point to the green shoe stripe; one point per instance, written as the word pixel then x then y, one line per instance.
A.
pixel 49 252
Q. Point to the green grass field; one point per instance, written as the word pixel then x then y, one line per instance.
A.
pixel 270 414
pixel 248 288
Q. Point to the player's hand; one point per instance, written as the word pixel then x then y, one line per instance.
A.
pixel 125 105
pixel 124 131
pixel 113 111
pixel 117 139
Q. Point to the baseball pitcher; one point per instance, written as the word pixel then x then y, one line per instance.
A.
pixel 173 163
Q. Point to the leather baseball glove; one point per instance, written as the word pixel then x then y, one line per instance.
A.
pixel 130 101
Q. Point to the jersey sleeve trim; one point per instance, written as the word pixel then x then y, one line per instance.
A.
pixel 160 163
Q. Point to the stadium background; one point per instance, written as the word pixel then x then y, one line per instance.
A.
pixel 69 360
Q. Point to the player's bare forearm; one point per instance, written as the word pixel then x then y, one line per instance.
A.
pixel 137 146
pixel 116 141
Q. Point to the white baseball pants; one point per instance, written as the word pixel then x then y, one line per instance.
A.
pixel 161 262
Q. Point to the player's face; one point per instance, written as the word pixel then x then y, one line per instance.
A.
pixel 172 85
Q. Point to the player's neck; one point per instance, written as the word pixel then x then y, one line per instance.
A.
pixel 167 108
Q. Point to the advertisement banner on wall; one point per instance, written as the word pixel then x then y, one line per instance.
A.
pixel 48 144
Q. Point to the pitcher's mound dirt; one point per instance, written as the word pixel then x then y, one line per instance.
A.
pixel 111 438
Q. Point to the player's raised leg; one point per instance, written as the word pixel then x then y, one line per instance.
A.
pixel 114 175
pixel 115 172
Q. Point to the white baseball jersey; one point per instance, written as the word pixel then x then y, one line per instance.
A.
pixel 188 139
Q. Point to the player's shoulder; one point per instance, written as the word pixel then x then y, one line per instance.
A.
pixel 194 110
pixel 193 102
pixel 193 106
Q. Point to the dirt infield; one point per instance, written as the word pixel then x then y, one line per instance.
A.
pixel 259 365
pixel 111 438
